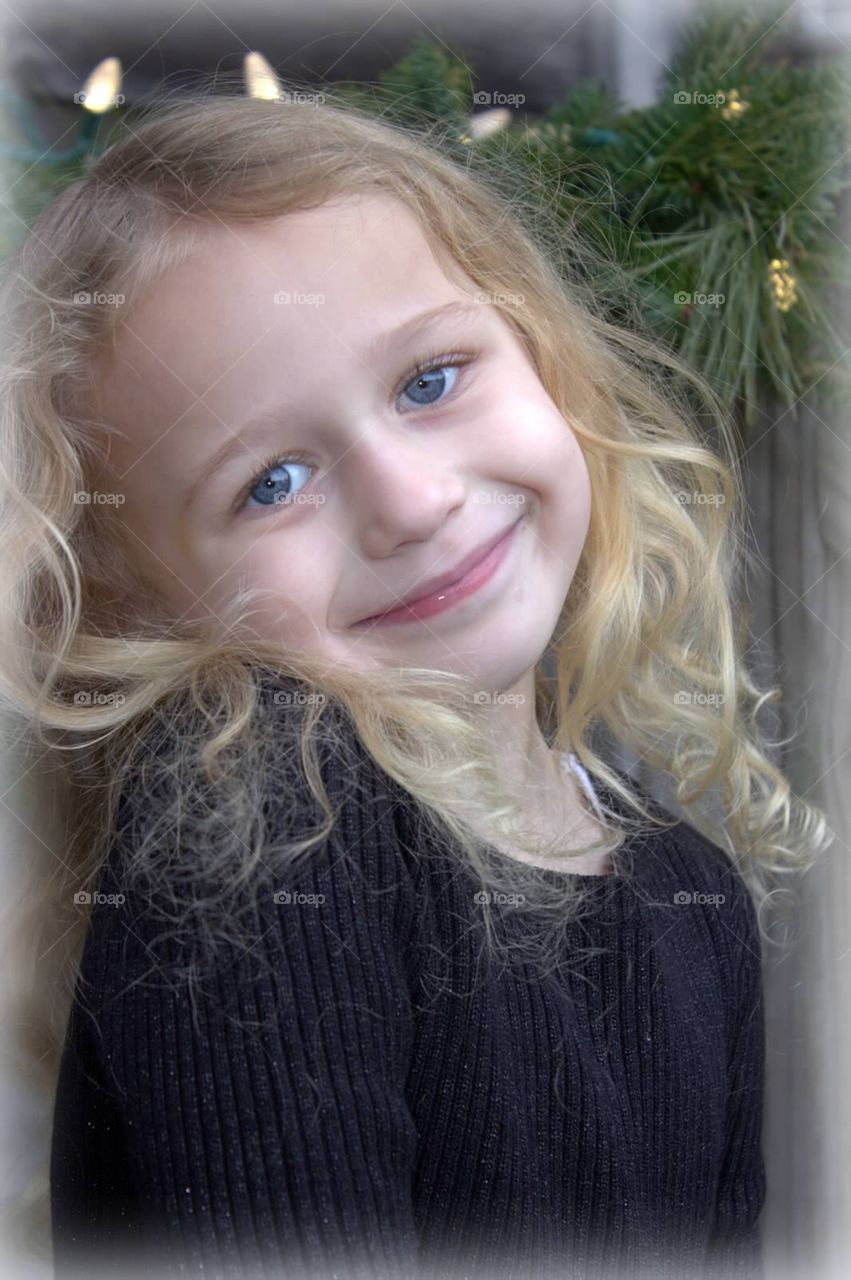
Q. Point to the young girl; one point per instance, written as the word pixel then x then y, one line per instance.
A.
pixel 345 538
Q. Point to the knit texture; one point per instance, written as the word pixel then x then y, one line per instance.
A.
pixel 375 1101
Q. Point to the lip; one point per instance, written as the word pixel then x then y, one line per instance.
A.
pixel 473 572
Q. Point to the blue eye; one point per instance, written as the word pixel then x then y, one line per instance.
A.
pixel 273 487
pixel 430 384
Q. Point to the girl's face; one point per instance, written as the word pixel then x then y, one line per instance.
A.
pixel 276 434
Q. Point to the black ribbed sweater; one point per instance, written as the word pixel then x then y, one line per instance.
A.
pixel 377 1103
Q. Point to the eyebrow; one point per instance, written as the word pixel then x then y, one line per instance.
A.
pixel 257 427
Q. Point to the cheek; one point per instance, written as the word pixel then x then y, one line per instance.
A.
pixel 299 578
pixel 296 581
pixel 523 430
pixel 552 464
pixel 575 480
pixel 164 550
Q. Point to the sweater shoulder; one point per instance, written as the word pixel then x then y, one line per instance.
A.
pixel 183 873
pixel 677 866
pixel 681 851
pixel 689 873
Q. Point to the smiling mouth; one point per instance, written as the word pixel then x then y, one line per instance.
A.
pixel 443 597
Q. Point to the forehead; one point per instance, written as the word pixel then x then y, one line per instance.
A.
pixel 348 237
pixel 290 289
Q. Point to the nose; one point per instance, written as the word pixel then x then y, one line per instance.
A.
pixel 402 491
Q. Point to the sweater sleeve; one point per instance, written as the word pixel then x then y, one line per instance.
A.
pixel 735 1245
pixel 261 1127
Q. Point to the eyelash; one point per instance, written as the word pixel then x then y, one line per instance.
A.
pixel 438 360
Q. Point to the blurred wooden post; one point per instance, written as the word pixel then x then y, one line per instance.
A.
pixel 799 477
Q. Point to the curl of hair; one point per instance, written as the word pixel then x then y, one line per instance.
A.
pixel 98 673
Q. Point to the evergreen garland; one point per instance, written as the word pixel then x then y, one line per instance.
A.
pixel 719 212
pixel 712 213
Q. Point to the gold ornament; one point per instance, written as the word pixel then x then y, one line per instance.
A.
pixel 783 285
pixel 734 106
